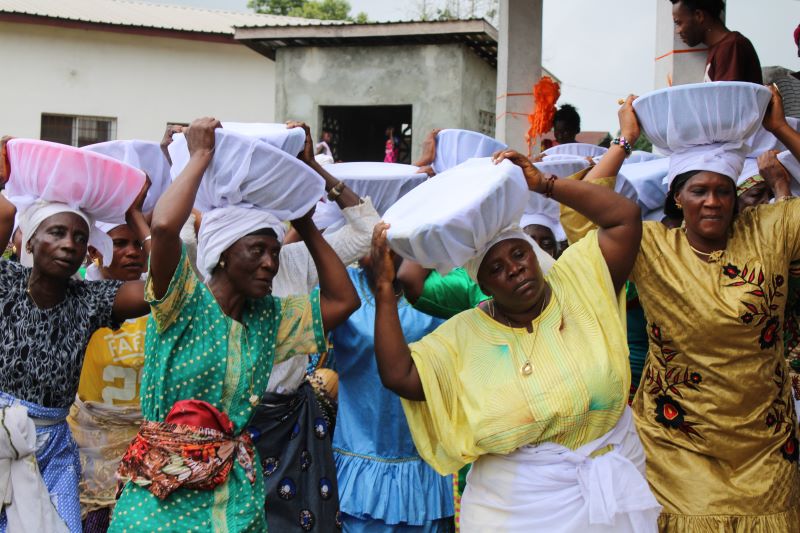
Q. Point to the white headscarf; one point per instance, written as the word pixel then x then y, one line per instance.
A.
pixel 40 211
pixel 222 227
pixel 723 158
pixel 546 262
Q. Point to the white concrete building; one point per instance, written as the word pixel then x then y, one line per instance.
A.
pixel 83 71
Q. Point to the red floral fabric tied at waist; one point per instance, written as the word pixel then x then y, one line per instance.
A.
pixel 166 456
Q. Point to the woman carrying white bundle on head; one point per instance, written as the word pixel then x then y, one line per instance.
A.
pixel 714 408
pixel 530 386
pixel 211 346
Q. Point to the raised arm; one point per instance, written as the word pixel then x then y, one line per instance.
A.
pixel 428 149
pixel 412 277
pixel 7 213
pixel 618 218
pixel 395 365
pixel 7 209
pixel 338 297
pixel 611 162
pixel 175 205
pixel 775 123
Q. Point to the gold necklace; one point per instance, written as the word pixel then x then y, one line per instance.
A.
pixel 254 398
pixel 527 367
pixel 715 255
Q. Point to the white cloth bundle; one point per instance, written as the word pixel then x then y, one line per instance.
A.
pixel 762 140
pixel 245 169
pixel 648 178
pixel 144 155
pixel 579 149
pixel 385 183
pixel 703 126
pixel 99 186
pixel 552 488
pixel 561 166
pixel 793 168
pixel 39 211
pixel 223 226
pixel 686 116
pixel 450 218
pixel 290 140
pixel 640 156
pixel 23 494
pixel 453 147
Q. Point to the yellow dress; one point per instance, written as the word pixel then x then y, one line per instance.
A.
pixel 479 402
pixel 714 409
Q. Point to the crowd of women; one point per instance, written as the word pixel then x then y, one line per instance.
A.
pixel 480 364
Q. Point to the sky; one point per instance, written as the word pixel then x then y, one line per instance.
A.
pixel 604 50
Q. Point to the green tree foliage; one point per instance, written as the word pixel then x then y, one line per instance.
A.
pixel 310 9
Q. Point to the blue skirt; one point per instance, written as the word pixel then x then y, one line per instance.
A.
pixel 59 462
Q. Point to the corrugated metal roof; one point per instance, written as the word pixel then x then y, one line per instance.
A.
pixel 144 15
pixel 304 22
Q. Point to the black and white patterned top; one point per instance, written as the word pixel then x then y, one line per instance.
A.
pixel 41 350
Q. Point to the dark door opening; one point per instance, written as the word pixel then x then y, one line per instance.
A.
pixel 359 132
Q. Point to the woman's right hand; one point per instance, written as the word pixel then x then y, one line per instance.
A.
pixel 382 263
pixel 775 174
pixel 533 176
pixel 200 136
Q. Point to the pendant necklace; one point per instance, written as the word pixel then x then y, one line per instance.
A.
pixel 527 367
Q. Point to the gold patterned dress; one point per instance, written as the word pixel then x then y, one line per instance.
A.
pixel 714 409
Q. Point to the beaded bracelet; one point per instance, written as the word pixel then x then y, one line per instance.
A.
pixel 624 144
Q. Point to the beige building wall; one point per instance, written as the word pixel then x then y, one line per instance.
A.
pixel 142 81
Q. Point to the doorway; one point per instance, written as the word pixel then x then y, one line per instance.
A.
pixel 359 132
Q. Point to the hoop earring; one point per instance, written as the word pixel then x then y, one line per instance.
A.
pixel 96 262
pixel 679 206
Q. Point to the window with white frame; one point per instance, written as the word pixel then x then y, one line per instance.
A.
pixel 77 130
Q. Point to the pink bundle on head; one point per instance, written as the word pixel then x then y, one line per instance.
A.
pixel 49 178
pixel 99 186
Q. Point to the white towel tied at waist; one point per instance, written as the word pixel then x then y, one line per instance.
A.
pixel 23 495
pixel 552 488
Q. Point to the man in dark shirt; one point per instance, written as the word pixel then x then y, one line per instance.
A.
pixel 731 56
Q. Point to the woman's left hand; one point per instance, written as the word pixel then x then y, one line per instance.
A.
pixel 774 118
pixel 382 263
pixel 138 202
pixel 533 177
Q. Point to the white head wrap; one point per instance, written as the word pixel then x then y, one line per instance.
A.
pixel 222 227
pixel 512 232
pixel 723 158
pixel 542 219
pixel 40 211
pixel 453 147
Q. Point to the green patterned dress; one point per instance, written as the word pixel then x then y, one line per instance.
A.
pixel 194 351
